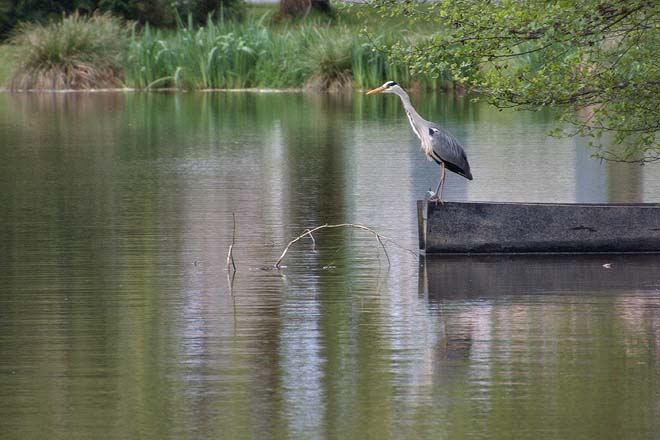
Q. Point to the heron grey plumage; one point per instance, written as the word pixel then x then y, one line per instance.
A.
pixel 437 143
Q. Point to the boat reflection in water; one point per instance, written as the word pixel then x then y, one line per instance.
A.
pixel 474 277
pixel 494 308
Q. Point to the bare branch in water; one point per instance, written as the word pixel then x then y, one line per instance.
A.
pixel 309 232
pixel 230 254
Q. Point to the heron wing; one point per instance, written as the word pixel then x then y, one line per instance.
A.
pixel 447 149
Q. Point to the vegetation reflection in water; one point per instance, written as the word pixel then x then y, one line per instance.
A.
pixel 117 319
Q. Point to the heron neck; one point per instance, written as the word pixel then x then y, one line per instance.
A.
pixel 416 121
pixel 405 100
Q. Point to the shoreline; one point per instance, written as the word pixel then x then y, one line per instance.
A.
pixel 159 90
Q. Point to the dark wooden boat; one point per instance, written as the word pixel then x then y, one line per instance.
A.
pixel 503 228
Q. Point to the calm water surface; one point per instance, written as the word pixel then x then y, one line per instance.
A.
pixel 119 320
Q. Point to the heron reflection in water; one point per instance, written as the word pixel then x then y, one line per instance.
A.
pixel 437 143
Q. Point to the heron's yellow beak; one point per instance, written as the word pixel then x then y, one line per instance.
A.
pixel 377 90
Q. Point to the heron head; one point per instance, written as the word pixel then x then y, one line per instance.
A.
pixel 388 87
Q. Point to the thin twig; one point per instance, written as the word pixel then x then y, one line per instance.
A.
pixel 230 254
pixel 309 232
pixel 230 286
pixel 389 263
pixel 312 237
pixel 230 282
pixel 230 258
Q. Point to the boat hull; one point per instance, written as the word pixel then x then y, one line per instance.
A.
pixel 503 228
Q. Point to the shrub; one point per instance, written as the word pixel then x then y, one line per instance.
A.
pixel 78 52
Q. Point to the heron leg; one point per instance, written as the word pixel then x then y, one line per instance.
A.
pixel 441 184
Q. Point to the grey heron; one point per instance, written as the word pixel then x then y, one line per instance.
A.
pixel 438 144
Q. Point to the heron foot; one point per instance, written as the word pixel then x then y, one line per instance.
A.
pixel 435 198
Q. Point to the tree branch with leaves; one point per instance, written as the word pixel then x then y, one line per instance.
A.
pixel 594 60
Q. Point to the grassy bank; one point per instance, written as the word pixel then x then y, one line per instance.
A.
pixel 256 52
pixel 7 63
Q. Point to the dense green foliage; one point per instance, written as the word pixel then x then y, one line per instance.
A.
pixel 78 52
pixel 255 53
pixel 594 59
pixel 156 12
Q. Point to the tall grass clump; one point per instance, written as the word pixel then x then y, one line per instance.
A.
pixel 330 63
pixel 218 55
pixel 77 52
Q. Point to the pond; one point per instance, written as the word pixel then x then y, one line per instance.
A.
pixel 118 318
